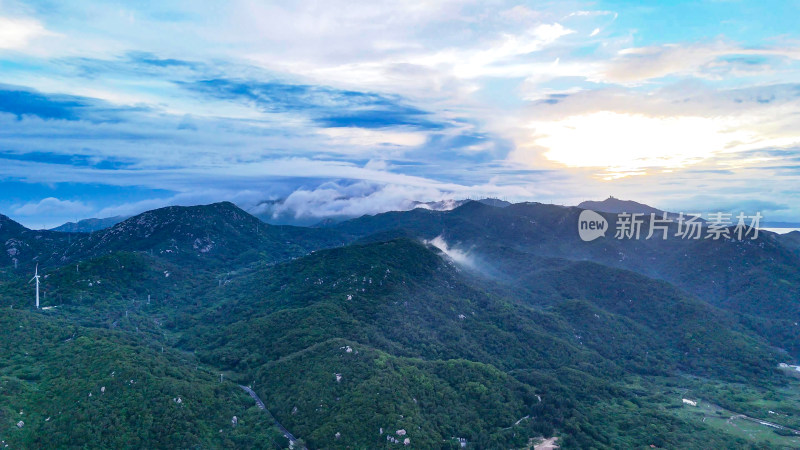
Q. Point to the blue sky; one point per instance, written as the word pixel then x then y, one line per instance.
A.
pixel 346 108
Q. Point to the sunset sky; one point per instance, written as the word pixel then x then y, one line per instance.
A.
pixel 343 107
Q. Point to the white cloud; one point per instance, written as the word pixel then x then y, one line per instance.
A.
pixel 364 137
pixel 592 13
pixel 704 60
pixel 521 13
pixel 461 61
pixel 492 59
pixel 52 206
pixel 428 66
pixel 459 256
pixel 353 199
pixel 16 33
pixel 356 199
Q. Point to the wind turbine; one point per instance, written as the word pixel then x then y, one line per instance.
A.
pixel 36 277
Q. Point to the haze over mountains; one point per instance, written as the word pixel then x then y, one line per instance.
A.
pixel 497 325
pixel 274 212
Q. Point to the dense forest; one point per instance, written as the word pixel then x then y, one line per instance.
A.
pixel 368 334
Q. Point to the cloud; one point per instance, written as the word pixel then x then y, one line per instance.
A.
pixel 326 106
pixel 150 59
pixel 521 13
pixel 332 199
pixel 458 256
pixel 390 100
pixel 23 102
pixel 52 206
pixel 624 131
pixel 108 131
pixel 84 140
pixel 344 198
pixel 26 102
pixel 734 204
pixel 370 137
pixel 704 60
pixel 498 58
pixel 17 33
pixel 282 203
pixel 583 13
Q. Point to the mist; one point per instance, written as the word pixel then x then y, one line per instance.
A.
pixel 460 257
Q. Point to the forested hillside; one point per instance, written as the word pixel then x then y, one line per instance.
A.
pixel 372 334
pixel 66 386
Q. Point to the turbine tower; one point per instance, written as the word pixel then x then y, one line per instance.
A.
pixel 36 277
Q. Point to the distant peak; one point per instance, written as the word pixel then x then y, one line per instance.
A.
pixel 89 225
pixel 225 204
pixel 219 206
pixel 615 206
pixel 494 202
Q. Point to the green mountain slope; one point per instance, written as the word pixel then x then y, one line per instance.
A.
pixel 533 333
pixel 23 248
pixel 759 278
pixel 366 396
pixel 791 240
pixel 219 234
pixel 406 310
pixel 203 237
pixel 65 386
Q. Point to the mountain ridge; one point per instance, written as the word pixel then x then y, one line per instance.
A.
pixel 90 225
pixel 491 324
pixel 616 206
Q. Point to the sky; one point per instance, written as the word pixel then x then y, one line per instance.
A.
pixel 329 108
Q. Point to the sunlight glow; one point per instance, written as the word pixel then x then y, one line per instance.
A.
pixel 625 143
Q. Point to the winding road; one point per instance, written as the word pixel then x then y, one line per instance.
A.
pixel 260 404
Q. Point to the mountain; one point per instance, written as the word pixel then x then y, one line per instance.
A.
pixel 213 235
pixel 90 225
pixel 66 386
pixel 276 213
pixel 494 326
pixel 447 205
pixel 117 281
pixel 24 248
pixel 495 202
pixel 403 297
pixel 615 205
pixel 790 240
pixel 378 336
pixel 759 278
